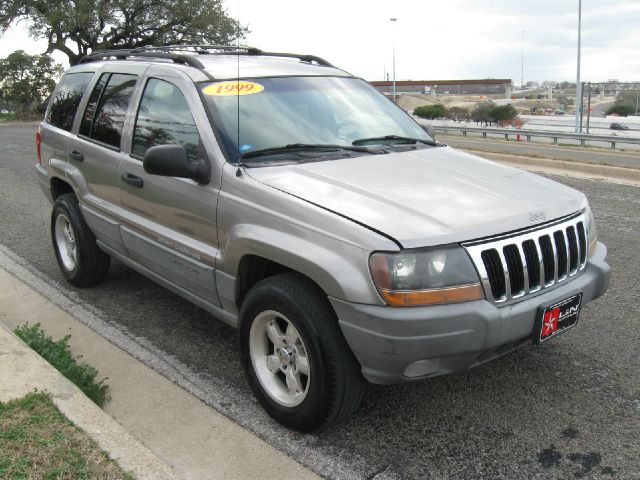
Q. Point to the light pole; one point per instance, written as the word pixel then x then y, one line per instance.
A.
pixel 578 84
pixel 522 61
pixel 394 58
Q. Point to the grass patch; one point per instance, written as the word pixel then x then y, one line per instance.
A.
pixel 7 117
pixel 37 441
pixel 57 353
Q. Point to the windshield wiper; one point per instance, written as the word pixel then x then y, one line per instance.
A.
pixel 396 138
pixel 303 146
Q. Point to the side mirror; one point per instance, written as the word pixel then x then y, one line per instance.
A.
pixel 173 161
pixel 429 129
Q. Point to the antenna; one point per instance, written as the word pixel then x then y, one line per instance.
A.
pixel 238 172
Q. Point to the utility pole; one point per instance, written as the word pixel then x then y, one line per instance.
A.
pixel 581 109
pixel 522 61
pixel 578 84
pixel 589 108
pixel 394 58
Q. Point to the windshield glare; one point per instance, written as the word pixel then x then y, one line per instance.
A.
pixel 275 112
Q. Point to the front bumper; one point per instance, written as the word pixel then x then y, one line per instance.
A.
pixel 447 338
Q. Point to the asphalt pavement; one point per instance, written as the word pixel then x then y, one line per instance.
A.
pixel 567 409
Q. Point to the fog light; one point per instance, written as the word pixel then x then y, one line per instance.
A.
pixel 422 368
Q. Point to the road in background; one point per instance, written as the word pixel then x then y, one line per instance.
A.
pixel 598 156
pixel 567 409
pixel 598 127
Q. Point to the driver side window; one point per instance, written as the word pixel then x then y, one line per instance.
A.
pixel 164 118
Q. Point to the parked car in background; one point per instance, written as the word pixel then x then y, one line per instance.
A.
pixel 618 126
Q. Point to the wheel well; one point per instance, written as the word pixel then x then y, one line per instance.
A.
pixel 59 187
pixel 252 269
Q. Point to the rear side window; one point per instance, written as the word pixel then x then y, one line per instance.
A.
pixel 90 110
pixel 105 113
pixel 163 118
pixel 66 99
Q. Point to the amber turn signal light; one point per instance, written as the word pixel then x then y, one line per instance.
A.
pixel 462 293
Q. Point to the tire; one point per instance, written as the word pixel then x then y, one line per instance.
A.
pixel 332 387
pixel 80 259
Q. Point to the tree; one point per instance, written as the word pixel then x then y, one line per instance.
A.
pixel 625 104
pixel 430 111
pixel 78 27
pixel 504 113
pixel 488 113
pixel 27 80
pixel 458 114
pixel 483 113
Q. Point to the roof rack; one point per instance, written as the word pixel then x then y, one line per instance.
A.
pixel 169 52
pixel 122 54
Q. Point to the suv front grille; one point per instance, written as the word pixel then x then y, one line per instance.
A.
pixel 526 262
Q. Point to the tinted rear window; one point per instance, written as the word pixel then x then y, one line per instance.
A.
pixel 112 100
pixel 90 110
pixel 67 98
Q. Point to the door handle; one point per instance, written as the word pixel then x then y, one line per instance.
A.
pixel 133 180
pixel 76 155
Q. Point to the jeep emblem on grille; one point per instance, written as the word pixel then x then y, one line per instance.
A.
pixel 535 216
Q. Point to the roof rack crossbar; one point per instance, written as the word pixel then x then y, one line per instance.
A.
pixel 169 52
pixel 124 53
pixel 235 50
pixel 202 48
pixel 301 57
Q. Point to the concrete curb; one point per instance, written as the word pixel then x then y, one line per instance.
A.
pixel 605 172
pixel 195 441
pixel 22 371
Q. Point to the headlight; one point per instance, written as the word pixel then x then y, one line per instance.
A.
pixel 425 277
pixel 592 233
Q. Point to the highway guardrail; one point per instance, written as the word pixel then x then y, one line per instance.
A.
pixel 528 134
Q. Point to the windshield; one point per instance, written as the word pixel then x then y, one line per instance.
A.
pixel 279 112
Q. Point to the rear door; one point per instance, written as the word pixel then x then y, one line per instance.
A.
pixel 59 121
pixel 170 225
pixel 96 152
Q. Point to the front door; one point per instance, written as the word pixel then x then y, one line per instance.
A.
pixel 169 224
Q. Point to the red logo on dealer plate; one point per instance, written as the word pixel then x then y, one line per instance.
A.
pixel 550 322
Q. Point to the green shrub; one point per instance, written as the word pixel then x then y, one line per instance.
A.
pixel 625 104
pixel 57 354
pixel 458 114
pixel 621 109
pixel 489 113
pixel 503 113
pixel 5 117
pixel 483 113
pixel 430 111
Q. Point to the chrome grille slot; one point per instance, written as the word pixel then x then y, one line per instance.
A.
pixel 515 268
pixel 519 264
pixel 582 242
pixel 548 261
pixel 561 248
pixel 533 263
pixel 573 249
pixel 493 266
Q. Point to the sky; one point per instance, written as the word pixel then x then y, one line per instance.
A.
pixel 436 40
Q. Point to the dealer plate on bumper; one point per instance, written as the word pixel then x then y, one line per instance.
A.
pixel 557 318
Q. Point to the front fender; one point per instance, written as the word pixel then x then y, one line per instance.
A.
pixel 339 269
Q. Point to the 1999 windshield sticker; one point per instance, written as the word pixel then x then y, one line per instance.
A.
pixel 232 87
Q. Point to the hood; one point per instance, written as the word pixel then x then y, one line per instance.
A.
pixel 426 197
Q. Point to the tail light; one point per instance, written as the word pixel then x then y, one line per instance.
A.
pixel 38 142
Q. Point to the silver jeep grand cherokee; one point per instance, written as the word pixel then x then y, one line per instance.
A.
pixel 295 202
